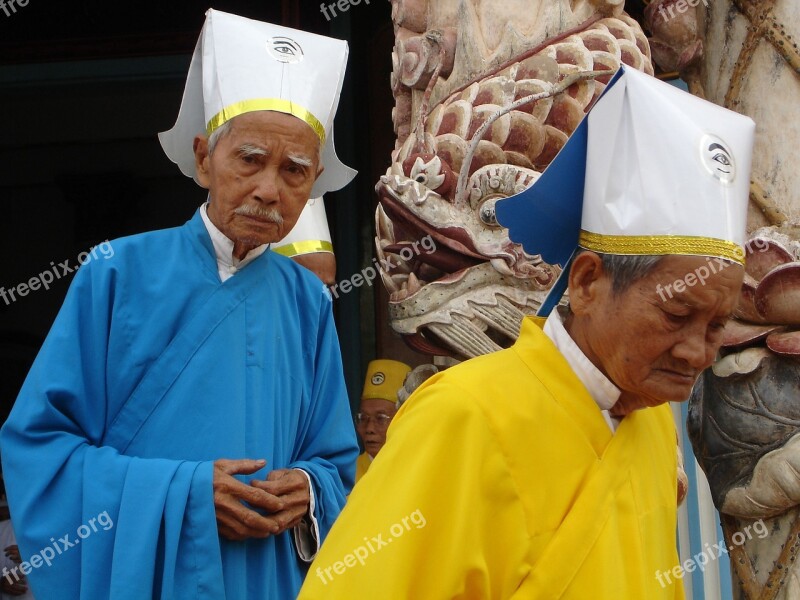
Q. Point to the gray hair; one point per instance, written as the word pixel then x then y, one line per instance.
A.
pixel 224 129
pixel 219 133
pixel 625 270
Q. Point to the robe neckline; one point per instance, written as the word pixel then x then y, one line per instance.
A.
pixel 543 359
pixel 201 243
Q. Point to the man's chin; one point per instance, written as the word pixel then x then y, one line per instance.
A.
pixel 671 393
pixel 258 233
pixel 649 399
pixel 249 239
pixel 372 449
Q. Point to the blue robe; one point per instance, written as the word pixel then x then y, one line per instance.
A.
pixel 152 370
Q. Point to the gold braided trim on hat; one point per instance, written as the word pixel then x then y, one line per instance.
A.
pixel 276 104
pixel 660 245
pixel 306 247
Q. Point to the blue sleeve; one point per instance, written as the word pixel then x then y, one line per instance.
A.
pixel 127 527
pixel 328 448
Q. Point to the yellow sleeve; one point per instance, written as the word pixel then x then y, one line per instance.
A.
pixel 436 516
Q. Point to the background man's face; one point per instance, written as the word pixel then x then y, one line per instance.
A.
pixel 653 347
pixel 259 176
pixel 323 264
pixel 373 429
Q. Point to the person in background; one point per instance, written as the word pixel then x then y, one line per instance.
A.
pixel 309 242
pixel 377 408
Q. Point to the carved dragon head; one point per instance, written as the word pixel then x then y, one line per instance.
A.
pixel 489 138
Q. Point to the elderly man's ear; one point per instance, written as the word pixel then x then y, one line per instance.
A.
pixel 201 159
pixel 587 281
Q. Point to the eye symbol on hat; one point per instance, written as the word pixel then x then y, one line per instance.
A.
pixel 717 159
pixel 378 378
pixel 284 50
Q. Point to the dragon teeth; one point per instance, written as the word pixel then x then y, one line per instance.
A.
pixel 400 281
pixel 388 282
pixel 400 266
pixel 413 284
pixel 399 296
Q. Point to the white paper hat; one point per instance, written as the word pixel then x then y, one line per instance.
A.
pixel 310 234
pixel 240 66
pixel 651 170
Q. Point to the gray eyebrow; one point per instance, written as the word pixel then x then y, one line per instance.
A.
pixel 251 150
pixel 303 161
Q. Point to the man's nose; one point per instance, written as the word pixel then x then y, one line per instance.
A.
pixel 695 349
pixel 267 189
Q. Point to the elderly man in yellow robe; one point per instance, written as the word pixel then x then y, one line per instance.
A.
pixel 548 470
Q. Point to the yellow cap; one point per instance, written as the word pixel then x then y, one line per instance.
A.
pixel 384 378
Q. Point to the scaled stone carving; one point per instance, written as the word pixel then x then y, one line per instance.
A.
pixel 465 77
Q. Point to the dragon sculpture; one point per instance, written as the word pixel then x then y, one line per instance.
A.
pixel 486 95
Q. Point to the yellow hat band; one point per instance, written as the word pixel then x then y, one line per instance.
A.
pixel 306 247
pixel 661 245
pixel 276 104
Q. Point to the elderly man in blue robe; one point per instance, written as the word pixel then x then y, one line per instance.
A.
pixel 185 430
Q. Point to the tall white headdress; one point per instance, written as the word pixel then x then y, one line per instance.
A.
pixel 241 65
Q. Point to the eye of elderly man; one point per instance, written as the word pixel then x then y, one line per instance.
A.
pixel 259 169
pixel 651 345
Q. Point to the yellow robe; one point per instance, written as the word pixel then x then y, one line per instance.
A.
pixel 362 464
pixel 500 479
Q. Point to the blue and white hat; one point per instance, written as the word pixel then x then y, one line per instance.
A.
pixel 651 170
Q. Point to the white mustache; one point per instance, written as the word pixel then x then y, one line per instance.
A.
pixel 268 214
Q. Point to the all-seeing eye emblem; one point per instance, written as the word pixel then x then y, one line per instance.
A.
pixel 285 50
pixel 717 158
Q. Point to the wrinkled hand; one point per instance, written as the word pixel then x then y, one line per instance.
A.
pixel 235 520
pixel 14 587
pixel 12 552
pixel 291 487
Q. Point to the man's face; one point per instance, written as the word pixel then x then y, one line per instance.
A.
pixel 375 416
pixel 259 176
pixel 322 264
pixel 652 340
